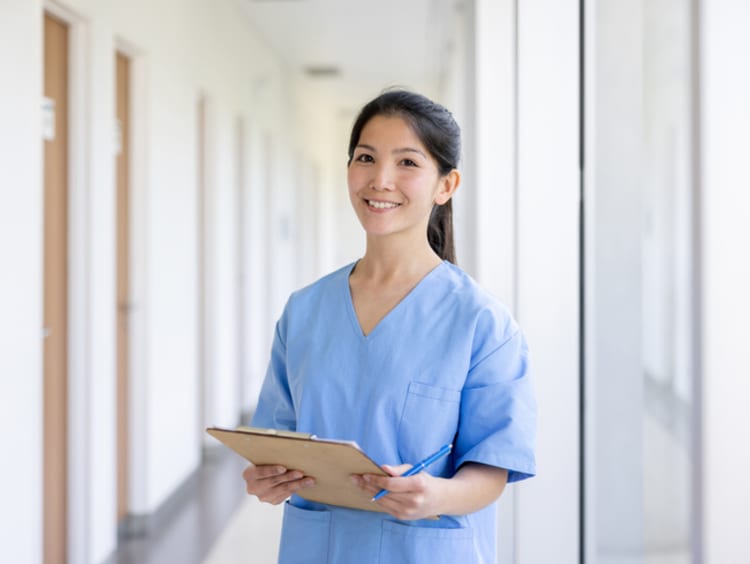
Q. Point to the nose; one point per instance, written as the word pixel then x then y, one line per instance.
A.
pixel 382 178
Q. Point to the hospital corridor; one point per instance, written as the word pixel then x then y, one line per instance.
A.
pixel 172 171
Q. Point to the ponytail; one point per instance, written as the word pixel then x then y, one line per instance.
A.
pixel 440 231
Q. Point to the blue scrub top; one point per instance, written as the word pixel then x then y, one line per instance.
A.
pixel 448 364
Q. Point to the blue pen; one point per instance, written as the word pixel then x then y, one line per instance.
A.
pixel 417 468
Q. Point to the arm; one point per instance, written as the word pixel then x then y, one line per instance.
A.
pixel 473 487
pixel 274 483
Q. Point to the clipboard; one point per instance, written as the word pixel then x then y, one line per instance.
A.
pixel 330 462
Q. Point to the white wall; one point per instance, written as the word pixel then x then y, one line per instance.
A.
pixel 548 262
pixel 725 91
pixel 20 282
pixel 179 50
pixel 495 147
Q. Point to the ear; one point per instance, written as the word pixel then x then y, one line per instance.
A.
pixel 447 187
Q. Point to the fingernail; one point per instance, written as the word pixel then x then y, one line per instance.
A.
pixel 308 483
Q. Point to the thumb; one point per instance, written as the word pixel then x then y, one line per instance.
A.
pixel 396 470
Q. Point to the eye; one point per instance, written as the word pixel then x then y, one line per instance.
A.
pixel 364 158
pixel 408 162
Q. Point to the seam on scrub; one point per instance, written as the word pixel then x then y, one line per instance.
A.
pixel 493 351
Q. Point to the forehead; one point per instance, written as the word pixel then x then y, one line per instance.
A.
pixel 390 130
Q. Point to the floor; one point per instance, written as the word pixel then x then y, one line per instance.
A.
pixel 204 515
pixel 251 537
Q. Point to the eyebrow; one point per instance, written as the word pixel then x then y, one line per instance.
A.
pixel 395 151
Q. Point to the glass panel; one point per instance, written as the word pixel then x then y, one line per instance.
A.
pixel 638 296
pixel 666 285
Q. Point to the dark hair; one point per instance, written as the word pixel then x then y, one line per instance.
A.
pixel 441 136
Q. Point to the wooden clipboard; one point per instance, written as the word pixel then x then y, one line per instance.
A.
pixel 330 462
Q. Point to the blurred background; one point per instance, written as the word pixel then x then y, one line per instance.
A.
pixel 172 170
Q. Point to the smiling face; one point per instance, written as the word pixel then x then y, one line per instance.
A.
pixel 394 181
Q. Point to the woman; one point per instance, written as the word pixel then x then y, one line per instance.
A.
pixel 402 352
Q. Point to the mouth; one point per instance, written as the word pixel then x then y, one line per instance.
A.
pixel 378 205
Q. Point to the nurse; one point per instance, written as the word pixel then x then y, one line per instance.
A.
pixel 402 352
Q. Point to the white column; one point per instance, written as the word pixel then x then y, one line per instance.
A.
pixel 548 184
pixel 725 90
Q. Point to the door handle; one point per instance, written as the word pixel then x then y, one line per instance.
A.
pixel 125 307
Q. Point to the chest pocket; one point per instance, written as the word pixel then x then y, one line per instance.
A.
pixel 428 421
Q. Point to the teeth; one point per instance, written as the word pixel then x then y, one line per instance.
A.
pixel 382 205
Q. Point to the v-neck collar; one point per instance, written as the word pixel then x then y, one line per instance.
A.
pixel 353 313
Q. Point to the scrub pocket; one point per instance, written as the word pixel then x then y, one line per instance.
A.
pixel 304 536
pixel 429 420
pixel 416 545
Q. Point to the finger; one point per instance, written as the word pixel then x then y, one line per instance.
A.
pixel 263 485
pixel 281 492
pixel 402 507
pixel 254 473
pixel 370 488
pixel 268 489
pixel 290 486
pixel 383 482
pixel 367 488
pixel 281 480
pixel 396 470
pixel 271 471
pixel 397 484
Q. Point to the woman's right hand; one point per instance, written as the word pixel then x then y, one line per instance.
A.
pixel 273 484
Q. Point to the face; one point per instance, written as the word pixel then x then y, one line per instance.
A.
pixel 394 181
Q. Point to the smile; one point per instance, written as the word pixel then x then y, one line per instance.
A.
pixel 382 205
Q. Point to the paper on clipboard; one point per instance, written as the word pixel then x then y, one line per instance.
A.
pixel 330 462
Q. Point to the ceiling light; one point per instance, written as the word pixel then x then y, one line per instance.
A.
pixel 322 71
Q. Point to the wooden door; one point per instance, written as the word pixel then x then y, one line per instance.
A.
pixel 122 166
pixel 55 361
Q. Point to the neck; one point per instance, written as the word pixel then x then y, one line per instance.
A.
pixel 396 259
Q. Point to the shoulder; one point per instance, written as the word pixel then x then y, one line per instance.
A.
pixel 322 285
pixel 489 319
pixel 305 300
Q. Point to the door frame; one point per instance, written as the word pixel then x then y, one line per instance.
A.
pixel 78 277
pixel 137 282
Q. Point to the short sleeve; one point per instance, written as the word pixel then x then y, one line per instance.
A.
pixel 275 406
pixel 497 426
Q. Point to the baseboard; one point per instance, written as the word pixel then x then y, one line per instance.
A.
pixel 142 525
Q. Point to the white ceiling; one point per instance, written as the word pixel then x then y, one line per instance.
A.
pixel 375 43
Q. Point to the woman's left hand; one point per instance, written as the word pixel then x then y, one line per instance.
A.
pixel 471 488
pixel 414 497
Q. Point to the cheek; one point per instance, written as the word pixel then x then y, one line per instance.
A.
pixel 353 180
